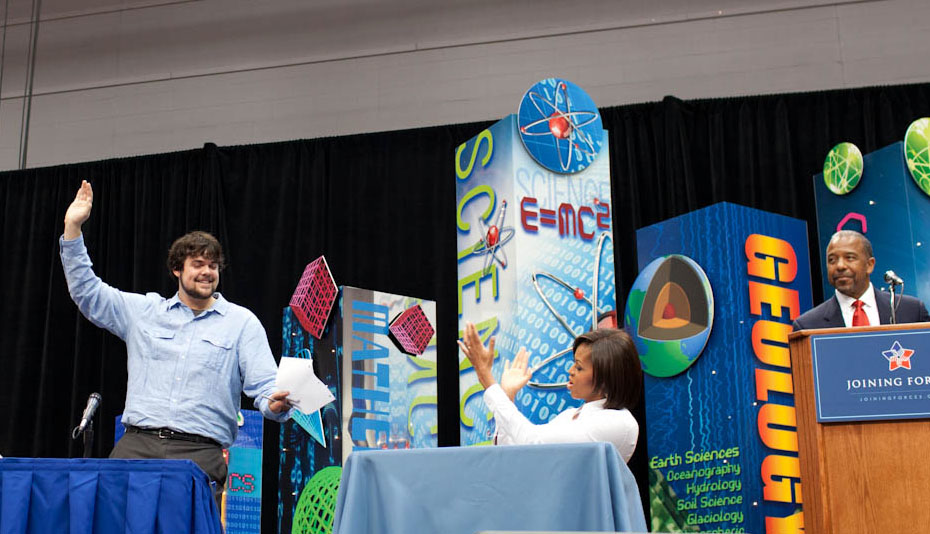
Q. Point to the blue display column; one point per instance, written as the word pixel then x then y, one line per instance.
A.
pixel 385 399
pixel 711 312
pixel 535 259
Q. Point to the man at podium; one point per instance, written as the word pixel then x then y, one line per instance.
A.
pixel 855 301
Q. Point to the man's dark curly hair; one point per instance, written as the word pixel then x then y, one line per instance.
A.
pixel 195 244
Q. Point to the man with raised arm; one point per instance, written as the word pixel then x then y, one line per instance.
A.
pixel 190 357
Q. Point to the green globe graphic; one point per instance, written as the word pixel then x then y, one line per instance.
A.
pixel 317 504
pixel 669 314
pixel 842 168
pixel 917 152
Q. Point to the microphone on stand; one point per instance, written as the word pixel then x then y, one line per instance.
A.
pixel 93 401
pixel 893 280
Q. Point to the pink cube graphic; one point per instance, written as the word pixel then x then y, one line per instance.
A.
pixel 412 330
pixel 314 297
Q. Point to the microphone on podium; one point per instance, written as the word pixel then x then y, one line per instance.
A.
pixel 893 280
pixel 93 401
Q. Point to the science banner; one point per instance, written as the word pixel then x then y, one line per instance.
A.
pixel 377 355
pixel 710 312
pixel 242 497
pixel 535 248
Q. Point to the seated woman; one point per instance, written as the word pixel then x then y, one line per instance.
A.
pixel 606 375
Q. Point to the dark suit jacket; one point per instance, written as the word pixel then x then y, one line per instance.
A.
pixel 828 314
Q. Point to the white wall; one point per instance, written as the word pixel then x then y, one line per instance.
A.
pixel 127 77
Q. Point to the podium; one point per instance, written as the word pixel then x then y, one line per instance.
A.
pixel 103 496
pixel 862 397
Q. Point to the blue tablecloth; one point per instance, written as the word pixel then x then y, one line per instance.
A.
pixel 580 487
pixel 44 495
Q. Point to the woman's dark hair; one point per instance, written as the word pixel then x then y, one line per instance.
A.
pixel 615 362
pixel 195 244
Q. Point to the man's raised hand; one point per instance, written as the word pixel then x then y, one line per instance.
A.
pixel 79 210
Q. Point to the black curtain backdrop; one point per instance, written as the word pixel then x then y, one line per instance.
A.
pixel 381 208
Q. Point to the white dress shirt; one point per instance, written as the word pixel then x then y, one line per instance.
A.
pixel 868 306
pixel 587 423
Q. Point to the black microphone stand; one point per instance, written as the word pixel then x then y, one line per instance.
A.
pixel 894 319
pixel 89 439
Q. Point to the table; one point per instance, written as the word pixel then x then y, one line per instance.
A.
pixel 580 487
pixel 39 495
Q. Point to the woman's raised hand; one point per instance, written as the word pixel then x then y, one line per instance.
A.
pixel 481 357
pixel 516 374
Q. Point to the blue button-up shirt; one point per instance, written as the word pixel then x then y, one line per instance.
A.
pixel 186 372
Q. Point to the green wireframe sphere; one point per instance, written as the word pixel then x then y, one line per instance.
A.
pixel 317 505
pixel 842 169
pixel 917 152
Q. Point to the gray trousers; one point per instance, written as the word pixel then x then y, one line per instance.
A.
pixel 148 447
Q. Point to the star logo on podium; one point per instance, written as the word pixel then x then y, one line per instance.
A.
pixel 898 356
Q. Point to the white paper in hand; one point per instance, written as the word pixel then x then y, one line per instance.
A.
pixel 307 392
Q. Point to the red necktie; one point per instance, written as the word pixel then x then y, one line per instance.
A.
pixel 859 316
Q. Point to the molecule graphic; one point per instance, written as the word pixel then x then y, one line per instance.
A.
pixel 560 126
pixel 492 241
pixel 579 294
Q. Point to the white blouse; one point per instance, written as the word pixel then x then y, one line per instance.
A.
pixel 589 422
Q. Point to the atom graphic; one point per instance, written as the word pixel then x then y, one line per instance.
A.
pixel 492 241
pixel 573 132
pixel 579 294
